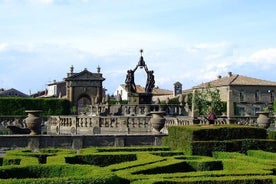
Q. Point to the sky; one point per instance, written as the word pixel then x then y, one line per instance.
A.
pixel 186 41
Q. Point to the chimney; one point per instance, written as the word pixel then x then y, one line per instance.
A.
pixel 219 76
pixel 230 74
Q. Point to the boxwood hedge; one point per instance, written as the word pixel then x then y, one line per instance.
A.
pixel 49 106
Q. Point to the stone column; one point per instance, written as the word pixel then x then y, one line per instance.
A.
pixel 193 105
pixel 230 104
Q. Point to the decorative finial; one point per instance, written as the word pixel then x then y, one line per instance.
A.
pixel 71 69
pixel 98 69
pixel 141 62
pixel 141 50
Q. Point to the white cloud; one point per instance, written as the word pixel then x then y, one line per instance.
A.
pixel 263 58
pixel 267 56
pixel 3 46
pixel 41 1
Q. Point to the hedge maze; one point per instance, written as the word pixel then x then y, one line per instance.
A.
pixel 152 165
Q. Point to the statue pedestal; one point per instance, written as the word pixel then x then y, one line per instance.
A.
pixel 139 98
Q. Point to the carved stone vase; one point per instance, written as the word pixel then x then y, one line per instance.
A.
pixel 157 121
pixel 33 121
pixel 263 119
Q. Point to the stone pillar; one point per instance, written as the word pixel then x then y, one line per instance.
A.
pixel 193 105
pixel 33 144
pixel 157 141
pixel 77 144
pixel 230 104
pixel 119 141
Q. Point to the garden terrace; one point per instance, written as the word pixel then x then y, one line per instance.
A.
pixel 136 165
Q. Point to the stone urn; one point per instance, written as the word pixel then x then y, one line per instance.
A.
pixel 263 119
pixel 157 121
pixel 33 121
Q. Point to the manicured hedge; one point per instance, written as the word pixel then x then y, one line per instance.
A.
pixel 100 159
pixel 272 135
pixel 41 174
pixel 11 161
pixel 49 106
pixel 196 140
pixel 207 147
pixel 212 180
pixel 180 166
pixel 261 154
pixel 41 156
pixel 128 149
pixel 148 167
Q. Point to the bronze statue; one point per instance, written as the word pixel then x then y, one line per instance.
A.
pixel 150 82
pixel 130 84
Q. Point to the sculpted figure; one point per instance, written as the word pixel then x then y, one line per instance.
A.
pixel 130 84
pixel 150 82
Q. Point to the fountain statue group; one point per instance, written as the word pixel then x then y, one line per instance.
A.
pixel 130 83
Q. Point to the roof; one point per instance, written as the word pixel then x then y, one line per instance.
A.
pixel 236 80
pixel 155 91
pixel 56 83
pixel 84 75
pixel 12 92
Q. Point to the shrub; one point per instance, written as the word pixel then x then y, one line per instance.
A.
pixel 203 140
pixel 100 159
pixel 57 174
pixel 261 154
pixel 128 149
pixel 11 161
pixel 49 106
pixel 272 134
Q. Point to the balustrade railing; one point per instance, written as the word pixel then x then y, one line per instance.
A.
pixel 80 124
pixel 138 110
pixel 139 122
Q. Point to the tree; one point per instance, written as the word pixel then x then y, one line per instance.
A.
pixel 207 99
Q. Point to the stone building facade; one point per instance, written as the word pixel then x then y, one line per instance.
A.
pixel 84 88
pixel 244 95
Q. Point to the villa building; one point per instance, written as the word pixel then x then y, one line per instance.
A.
pixel 244 95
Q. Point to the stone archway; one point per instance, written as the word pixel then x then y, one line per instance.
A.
pixel 84 87
pixel 83 101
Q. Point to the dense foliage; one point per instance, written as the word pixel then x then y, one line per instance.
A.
pixel 208 99
pixel 49 106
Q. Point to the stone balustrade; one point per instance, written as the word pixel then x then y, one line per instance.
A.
pixel 98 124
pixel 11 120
pixel 137 110
pixel 124 124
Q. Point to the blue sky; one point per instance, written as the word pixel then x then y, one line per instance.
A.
pixel 190 41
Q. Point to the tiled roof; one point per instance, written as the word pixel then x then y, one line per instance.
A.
pixel 237 80
pixel 12 92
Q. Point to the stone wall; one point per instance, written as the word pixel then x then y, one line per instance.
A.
pixel 77 141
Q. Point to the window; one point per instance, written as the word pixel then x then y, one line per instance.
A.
pixel 257 96
pixel 256 109
pixel 241 96
pixel 271 96
pixel 240 111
